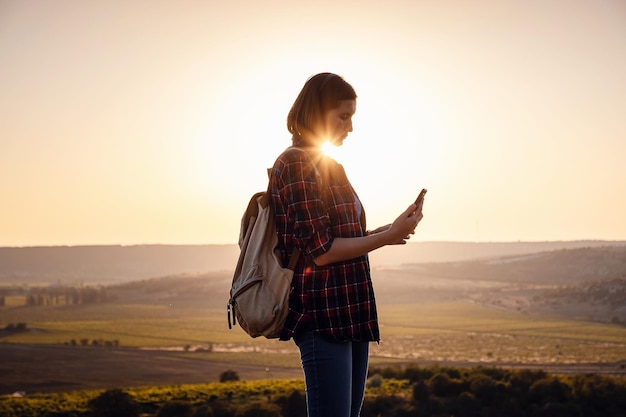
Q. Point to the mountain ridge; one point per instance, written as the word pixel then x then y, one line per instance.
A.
pixel 105 264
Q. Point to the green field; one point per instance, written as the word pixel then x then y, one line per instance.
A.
pixel 452 331
pixel 463 331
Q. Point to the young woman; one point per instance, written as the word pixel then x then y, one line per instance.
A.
pixel 332 312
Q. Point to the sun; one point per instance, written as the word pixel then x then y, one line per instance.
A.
pixel 329 149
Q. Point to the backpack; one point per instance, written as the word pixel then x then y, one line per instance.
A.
pixel 259 295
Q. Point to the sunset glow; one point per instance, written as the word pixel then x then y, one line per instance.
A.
pixel 154 122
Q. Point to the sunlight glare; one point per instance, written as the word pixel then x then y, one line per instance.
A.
pixel 329 149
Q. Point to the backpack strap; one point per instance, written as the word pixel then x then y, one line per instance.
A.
pixel 293 261
pixel 265 200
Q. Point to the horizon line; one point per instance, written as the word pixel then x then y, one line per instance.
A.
pixel 235 244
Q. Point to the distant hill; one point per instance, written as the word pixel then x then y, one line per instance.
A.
pixel 610 293
pixel 586 283
pixel 583 283
pixel 109 264
pixel 557 267
pixel 115 264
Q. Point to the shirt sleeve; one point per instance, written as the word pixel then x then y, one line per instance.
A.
pixel 302 190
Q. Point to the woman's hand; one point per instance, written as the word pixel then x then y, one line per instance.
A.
pixel 396 233
pixel 404 226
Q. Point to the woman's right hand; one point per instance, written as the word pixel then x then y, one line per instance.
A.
pixel 395 234
pixel 404 226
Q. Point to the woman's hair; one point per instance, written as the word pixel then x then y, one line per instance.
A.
pixel 320 94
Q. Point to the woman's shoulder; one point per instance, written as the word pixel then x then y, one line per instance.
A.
pixel 297 162
pixel 296 152
pixel 294 155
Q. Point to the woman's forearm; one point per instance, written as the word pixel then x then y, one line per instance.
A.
pixel 343 249
pixel 397 233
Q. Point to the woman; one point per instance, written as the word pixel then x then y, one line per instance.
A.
pixel 332 312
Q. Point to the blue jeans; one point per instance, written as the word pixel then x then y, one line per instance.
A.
pixel 334 375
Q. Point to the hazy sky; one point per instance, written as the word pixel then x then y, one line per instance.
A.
pixel 138 122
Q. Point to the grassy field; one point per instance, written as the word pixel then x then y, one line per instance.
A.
pixel 463 331
pixel 426 331
pixel 160 343
pixel 173 330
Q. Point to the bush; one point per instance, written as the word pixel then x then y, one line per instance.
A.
pixel 414 373
pixel 229 375
pixel 421 393
pixel 442 385
pixel 375 381
pixel 16 328
pixel 259 410
pixel 388 372
pixel 381 406
pixel 483 387
pixel 466 405
pixel 561 410
pixel 204 411
pixel 175 409
pixel 548 390
pixel 599 393
pixel 113 403
pixel 522 379
pixel 293 405
pixel 497 374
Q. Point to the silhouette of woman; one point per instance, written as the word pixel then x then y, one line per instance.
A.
pixel 332 311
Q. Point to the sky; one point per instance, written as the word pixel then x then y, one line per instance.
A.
pixel 153 122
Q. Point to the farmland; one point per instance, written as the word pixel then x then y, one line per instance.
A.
pixel 173 330
pixel 165 345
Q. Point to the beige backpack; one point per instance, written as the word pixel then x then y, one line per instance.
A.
pixel 259 295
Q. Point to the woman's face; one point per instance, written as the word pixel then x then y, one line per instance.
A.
pixel 338 122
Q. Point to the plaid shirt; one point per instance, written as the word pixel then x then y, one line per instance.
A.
pixel 311 208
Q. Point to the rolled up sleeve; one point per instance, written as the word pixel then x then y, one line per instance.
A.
pixel 301 187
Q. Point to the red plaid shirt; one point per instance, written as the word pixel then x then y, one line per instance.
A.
pixel 336 301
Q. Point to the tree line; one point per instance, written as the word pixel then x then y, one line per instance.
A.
pixel 57 295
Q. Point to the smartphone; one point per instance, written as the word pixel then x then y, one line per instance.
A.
pixel 420 197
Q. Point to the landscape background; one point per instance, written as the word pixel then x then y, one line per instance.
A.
pixel 156 314
pixel 103 264
pixel 149 124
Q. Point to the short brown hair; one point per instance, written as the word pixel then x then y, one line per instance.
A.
pixel 320 94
